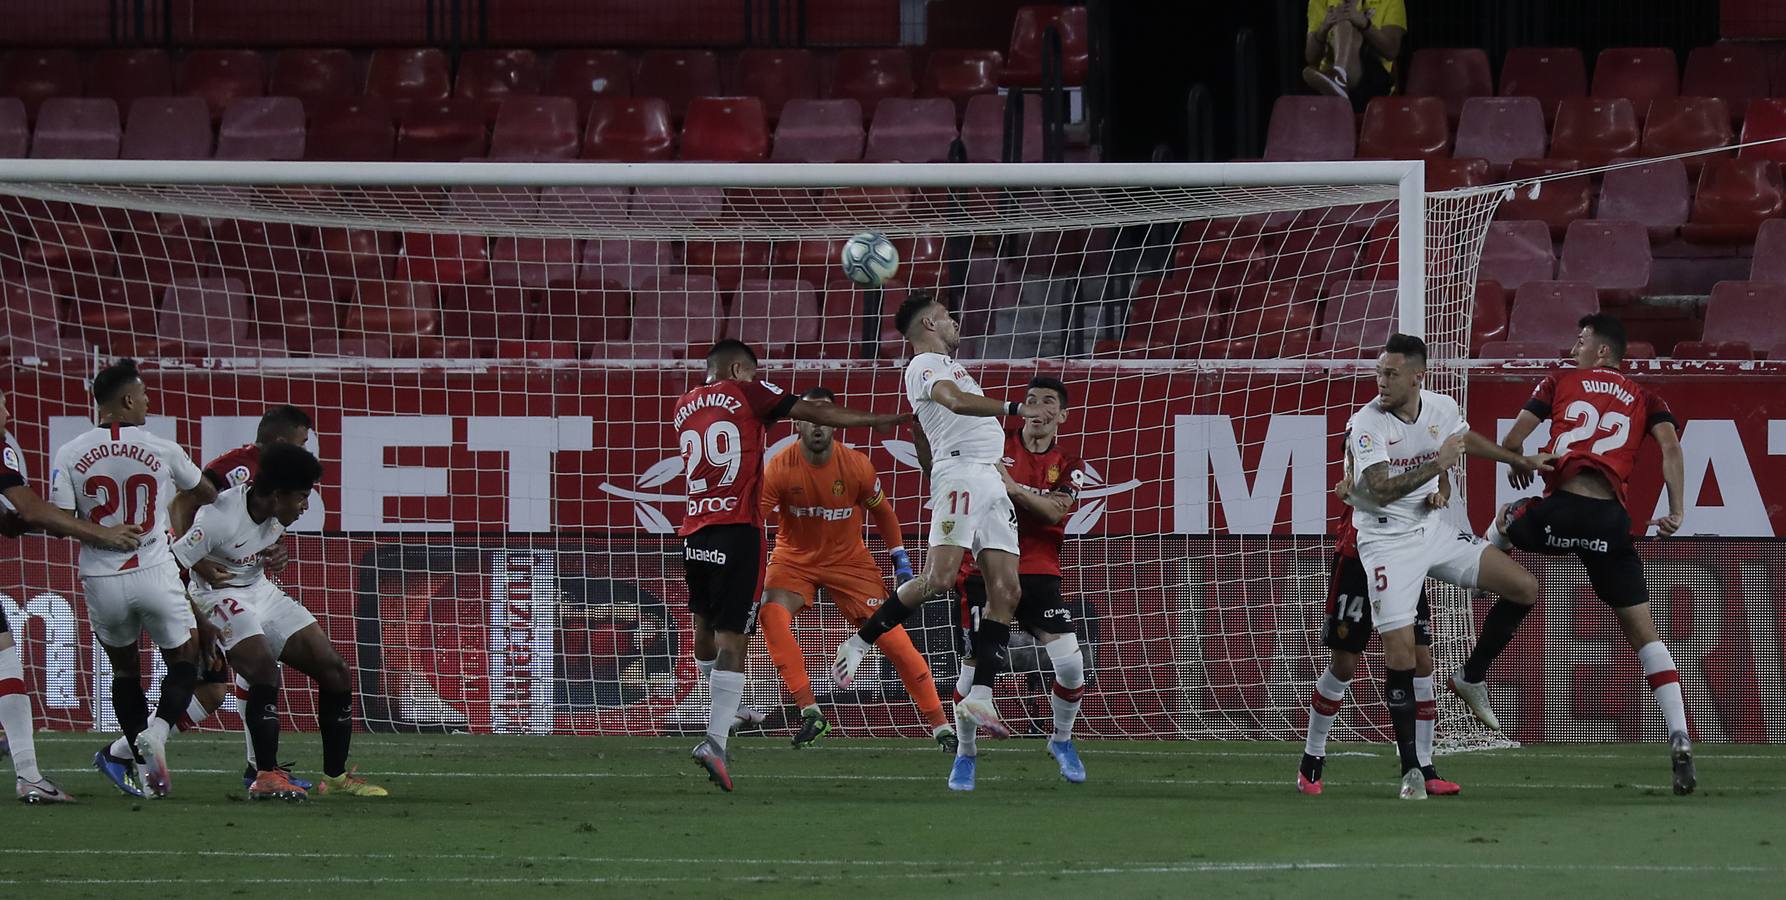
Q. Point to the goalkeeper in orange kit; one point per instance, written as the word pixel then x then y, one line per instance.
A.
pixel 821 488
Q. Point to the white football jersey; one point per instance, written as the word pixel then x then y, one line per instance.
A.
pixel 1375 435
pixel 954 439
pixel 226 534
pixel 122 474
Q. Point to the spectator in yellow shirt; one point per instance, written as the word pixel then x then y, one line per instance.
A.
pixel 1352 46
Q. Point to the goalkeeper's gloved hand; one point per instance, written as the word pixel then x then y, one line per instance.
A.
pixel 902 564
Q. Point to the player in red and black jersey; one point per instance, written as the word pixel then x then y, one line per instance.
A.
pixel 1599 418
pixel 1042 478
pixel 721 428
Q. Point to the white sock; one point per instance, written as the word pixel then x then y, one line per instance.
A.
pixel 1426 717
pixel 121 749
pixel 195 713
pixel 15 715
pixel 728 691
pixel 159 727
pixel 1069 685
pixel 706 667
pixel 965 731
pixel 1324 704
pixel 1496 536
pixel 856 643
pixel 1665 680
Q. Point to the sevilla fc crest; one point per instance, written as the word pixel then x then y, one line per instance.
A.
pixel 948 526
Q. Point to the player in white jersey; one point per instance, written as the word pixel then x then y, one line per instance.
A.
pixel 260 626
pixel 970 509
pixel 1400 444
pixel 121 472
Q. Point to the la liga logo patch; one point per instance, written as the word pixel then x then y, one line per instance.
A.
pixel 1364 442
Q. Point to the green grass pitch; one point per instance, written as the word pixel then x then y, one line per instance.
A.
pixel 619 817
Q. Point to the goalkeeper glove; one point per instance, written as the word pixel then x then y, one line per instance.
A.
pixel 902 564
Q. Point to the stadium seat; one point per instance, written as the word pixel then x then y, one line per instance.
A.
pixel 1766 119
pixel 406 77
pixel 1770 253
pixel 1614 257
pixel 775 76
pixel 869 76
pixel 581 204
pixel 775 314
pixel 159 248
pixel 1556 203
pixel 914 131
pixel 31 313
pixel 1551 74
pixel 34 76
pixel 1404 128
pixel 444 258
pixel 1023 66
pixel 1359 314
pixel 442 131
pixel 15 130
pixel 725 129
pixel 583 75
pixel 262 128
pixel 314 74
pixel 1451 174
pixel 358 128
pixel 678 205
pixel 76 128
pixel 1751 311
pixel 1733 73
pixel 1488 319
pixel 352 256
pixel 819 131
pixel 535 128
pixel 583 316
pixel 1734 197
pixel 115 314
pixel 1524 350
pixel 481 315
pixel 628 129
pixel 1545 312
pixel 127 74
pixel 1637 74
pixel 355 346
pixel 678 76
pixel 840 331
pixel 221 77
pixel 1702 349
pixel 627 264
pixel 1172 318
pixel 1595 130
pixel 727 262
pixel 57 241
pixel 1501 130
pixel 403 315
pixel 167 128
pixel 492 76
pixel 1452 75
pixel 983 130
pixel 1656 195
pixel 1685 124
pixel 207 316
pixel 960 74
pixel 1514 253
pixel 533 262
pixel 1311 128
pixel 678 311
pixel 531 349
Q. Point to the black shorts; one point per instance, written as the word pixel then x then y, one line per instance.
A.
pixel 1041 608
pixel 3 626
pixel 723 565
pixel 1348 624
pixel 1595 531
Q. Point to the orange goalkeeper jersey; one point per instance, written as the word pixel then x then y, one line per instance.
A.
pixel 821 507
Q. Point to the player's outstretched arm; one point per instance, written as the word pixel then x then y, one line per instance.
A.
pixel 40 514
pixel 960 402
pixel 184 506
pixel 1515 442
pixel 1673 473
pixel 1479 446
pixel 843 417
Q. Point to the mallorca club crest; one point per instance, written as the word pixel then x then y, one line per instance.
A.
pixel 837 488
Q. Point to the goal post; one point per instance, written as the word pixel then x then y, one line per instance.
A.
pixel 489 350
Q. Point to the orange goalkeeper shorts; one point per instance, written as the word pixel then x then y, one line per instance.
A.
pixel 857 590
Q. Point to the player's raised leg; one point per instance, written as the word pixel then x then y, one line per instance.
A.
pixel 15 724
pixel 1518 592
pixel 992 635
pixel 941 565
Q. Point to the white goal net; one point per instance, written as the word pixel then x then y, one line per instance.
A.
pixel 489 352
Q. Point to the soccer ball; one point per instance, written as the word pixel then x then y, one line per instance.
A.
pixel 869 259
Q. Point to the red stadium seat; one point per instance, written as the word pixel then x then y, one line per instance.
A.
pixel 114 313
pixel 1525 350
pixel 1550 74
pixel 776 76
pixel 444 258
pixel 1656 195
pixel 586 316
pixel 535 128
pixel 628 129
pixel 76 128
pixel 1614 257
pixel 1501 130
pixel 167 128
pixel 221 77
pixel 1752 311
pixel 409 76
pixel 623 263
pixel 1555 203
pixel 1766 119
pixel 356 129
pixel 161 248
pixel 15 130
pixel 725 129
pixel 37 75
pixel 533 262
pixel 960 74
pixel 1404 128
pixel 983 130
pixel 679 311
pixel 1359 314
pixel 819 131
pixel 262 128
pixel 678 204
pixel 583 75
pixel 678 76
pixel 1514 253
pixel 59 241
pixel 1488 320
pixel 1451 174
pixel 1023 67
pixel 208 316
pixel 1734 197
pixel 1685 124
pixel 403 315
pixel 1311 128
pixel 354 255
pixel 1637 74
pixel 442 131
pixel 1733 73
pixel 1770 252
pixel 127 74
pixel 31 313
pixel 293 309
pixel 1172 318
pixel 1595 130
pixel 482 315
pixel 1545 312
pixel 314 74
pixel 728 262
pixel 1741 350
pixel 492 76
pixel 1452 75
pixel 869 76
pixel 775 314
pixel 911 131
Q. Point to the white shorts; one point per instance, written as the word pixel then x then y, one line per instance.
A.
pixel 121 607
pixel 265 610
pixel 1396 568
pixel 970 509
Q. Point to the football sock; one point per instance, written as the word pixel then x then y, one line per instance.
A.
pixel 1323 705
pixel 891 614
pixel 1665 681
pixel 262 717
pixel 705 667
pixel 777 626
pixel 965 732
pixel 1426 718
pixel 728 692
pixel 992 652
pixel 1398 695
pixel 176 694
pixel 1496 536
pixel 1497 632
pixel 195 715
pixel 1069 684
pixel 132 708
pixel 914 672
pixel 15 715
pixel 334 718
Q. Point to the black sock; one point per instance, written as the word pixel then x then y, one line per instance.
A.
pixel 131 707
pixel 992 651
pixel 1398 695
pixel 1497 632
pixel 334 718
pixel 262 718
pixel 176 692
pixel 1429 773
pixel 885 619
